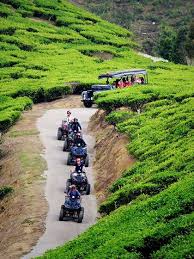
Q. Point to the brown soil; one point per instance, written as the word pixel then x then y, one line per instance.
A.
pixel 111 157
pixel 36 19
pixel 23 213
pixel 103 55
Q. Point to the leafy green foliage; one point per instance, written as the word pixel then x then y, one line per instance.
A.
pixel 144 18
pixel 161 139
pixel 45 46
pixel 171 44
pixel 166 44
pixel 152 227
pixel 190 41
pixel 38 52
pixel 10 110
pixel 149 212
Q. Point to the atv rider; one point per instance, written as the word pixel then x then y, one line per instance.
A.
pixel 78 141
pixel 64 126
pixel 74 197
pixel 75 126
pixel 68 119
pixel 79 166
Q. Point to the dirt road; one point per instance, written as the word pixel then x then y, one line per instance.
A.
pixel 59 232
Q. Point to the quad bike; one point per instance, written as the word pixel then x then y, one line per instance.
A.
pixel 88 96
pixel 68 143
pixel 69 140
pixel 71 209
pixel 81 182
pixel 78 152
pixel 62 131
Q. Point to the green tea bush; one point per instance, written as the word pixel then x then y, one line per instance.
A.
pixel 102 38
pixel 161 139
pixel 5 10
pixel 41 43
pixel 10 110
pixel 118 117
pixel 48 50
pixel 148 228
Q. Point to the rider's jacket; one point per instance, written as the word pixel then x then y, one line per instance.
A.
pixel 69 119
pixel 79 168
pixel 79 141
pixel 74 194
pixel 76 126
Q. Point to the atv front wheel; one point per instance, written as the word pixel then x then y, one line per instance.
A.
pixel 61 215
pixel 69 159
pixel 88 189
pixel 59 134
pixel 81 215
pixel 68 185
pixel 65 145
pixel 87 161
pixel 88 104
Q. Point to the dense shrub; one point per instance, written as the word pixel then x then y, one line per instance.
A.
pixel 10 110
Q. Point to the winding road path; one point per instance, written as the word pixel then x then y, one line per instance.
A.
pixel 57 233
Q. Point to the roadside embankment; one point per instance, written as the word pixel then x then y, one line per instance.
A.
pixel 23 212
pixel 111 158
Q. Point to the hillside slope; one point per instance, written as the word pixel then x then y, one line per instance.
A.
pixel 47 44
pixel 148 20
pixel 150 210
pixel 44 45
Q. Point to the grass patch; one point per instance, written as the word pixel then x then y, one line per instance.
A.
pixel 15 133
pixel 32 162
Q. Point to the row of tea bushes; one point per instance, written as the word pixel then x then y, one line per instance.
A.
pixel 10 110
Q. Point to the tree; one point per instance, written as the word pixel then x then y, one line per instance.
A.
pixel 166 42
pixel 190 41
pixel 171 44
pixel 179 51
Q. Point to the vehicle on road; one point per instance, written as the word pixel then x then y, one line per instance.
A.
pixel 69 141
pixel 131 74
pixel 88 96
pixel 80 180
pixel 122 79
pixel 62 131
pixel 78 152
pixel 71 210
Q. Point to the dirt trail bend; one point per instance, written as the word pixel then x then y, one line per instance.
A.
pixel 57 232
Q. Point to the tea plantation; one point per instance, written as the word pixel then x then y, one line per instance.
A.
pixel 150 210
pixel 45 45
